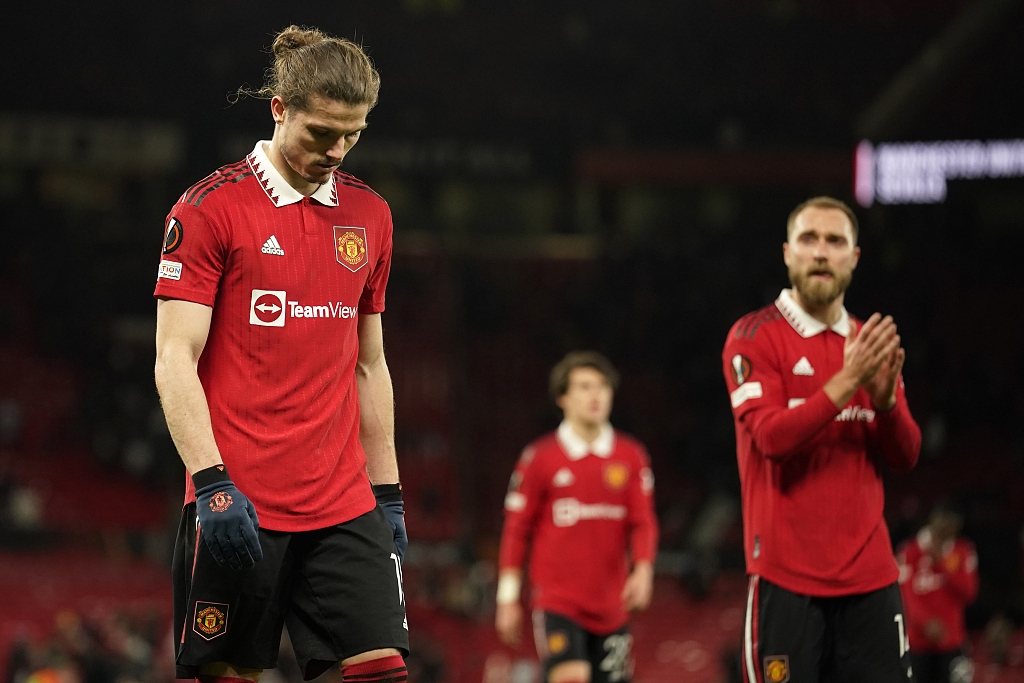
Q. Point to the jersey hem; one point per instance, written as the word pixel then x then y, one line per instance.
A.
pixel 822 590
pixel 572 613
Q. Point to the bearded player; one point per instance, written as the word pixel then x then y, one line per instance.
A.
pixel 819 410
pixel 271 370
pixel 582 497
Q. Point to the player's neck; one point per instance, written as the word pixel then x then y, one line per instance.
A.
pixel 298 183
pixel 829 313
pixel 588 431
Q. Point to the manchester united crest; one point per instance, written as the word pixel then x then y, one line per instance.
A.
pixel 557 642
pixel 211 619
pixel 616 475
pixel 350 247
pixel 220 501
pixel 776 669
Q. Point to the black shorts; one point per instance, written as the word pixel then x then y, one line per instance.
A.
pixel 942 667
pixel 560 639
pixel 847 639
pixel 338 589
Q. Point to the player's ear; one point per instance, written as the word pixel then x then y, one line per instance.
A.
pixel 856 256
pixel 277 109
pixel 785 252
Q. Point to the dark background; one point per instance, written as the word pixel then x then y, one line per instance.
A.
pixel 562 174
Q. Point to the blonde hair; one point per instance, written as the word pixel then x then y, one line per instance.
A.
pixel 309 62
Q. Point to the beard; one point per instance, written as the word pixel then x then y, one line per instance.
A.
pixel 817 293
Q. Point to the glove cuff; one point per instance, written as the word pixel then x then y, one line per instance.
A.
pixel 387 493
pixel 211 475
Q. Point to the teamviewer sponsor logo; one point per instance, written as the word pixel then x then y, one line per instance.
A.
pixel 569 511
pixel 334 309
pixel 267 308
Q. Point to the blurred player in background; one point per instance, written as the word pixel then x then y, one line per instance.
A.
pixel 271 370
pixel 939 579
pixel 582 497
pixel 819 407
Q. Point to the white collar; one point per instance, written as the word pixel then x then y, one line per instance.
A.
pixel 802 321
pixel 277 188
pixel 577 449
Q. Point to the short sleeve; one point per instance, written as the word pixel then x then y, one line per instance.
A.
pixel 372 299
pixel 193 258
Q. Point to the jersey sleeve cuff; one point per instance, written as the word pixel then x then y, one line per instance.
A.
pixel 185 294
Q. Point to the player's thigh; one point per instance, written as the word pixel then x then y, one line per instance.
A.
pixel 611 656
pixel 226 616
pixel 784 636
pixel 560 642
pixel 871 638
pixel 347 596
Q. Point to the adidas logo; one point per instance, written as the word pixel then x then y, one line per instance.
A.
pixel 563 477
pixel 803 367
pixel 272 247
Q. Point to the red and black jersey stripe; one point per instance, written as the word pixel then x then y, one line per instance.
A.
pixel 351 181
pixel 231 173
pixel 748 324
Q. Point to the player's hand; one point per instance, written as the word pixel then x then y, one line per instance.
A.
pixel 508 621
pixel 882 387
pixel 227 520
pixel 389 498
pixel 636 594
pixel 868 347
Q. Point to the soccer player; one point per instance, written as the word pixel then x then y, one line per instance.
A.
pixel 583 498
pixel 819 409
pixel 939 579
pixel 271 371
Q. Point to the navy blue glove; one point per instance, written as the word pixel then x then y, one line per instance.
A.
pixel 227 520
pixel 389 498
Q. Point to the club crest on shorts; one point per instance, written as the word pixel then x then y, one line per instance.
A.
pixel 350 247
pixel 615 475
pixel 557 642
pixel 211 619
pixel 776 668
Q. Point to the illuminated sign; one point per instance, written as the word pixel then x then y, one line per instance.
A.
pixel 916 172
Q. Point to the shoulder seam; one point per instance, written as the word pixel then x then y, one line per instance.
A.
pixel 347 180
pixel 748 324
pixel 191 192
pixel 232 178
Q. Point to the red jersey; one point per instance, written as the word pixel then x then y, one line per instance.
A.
pixel 583 507
pixel 287 277
pixel 810 472
pixel 937 589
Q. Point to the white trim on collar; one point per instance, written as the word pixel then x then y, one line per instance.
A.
pixel 802 321
pixel 577 449
pixel 277 188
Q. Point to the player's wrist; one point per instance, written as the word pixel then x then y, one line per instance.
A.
pixel 509 586
pixel 387 493
pixel 886 406
pixel 217 474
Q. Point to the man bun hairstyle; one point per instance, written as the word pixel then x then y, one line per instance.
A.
pixel 309 62
pixel 558 383
pixel 823 202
